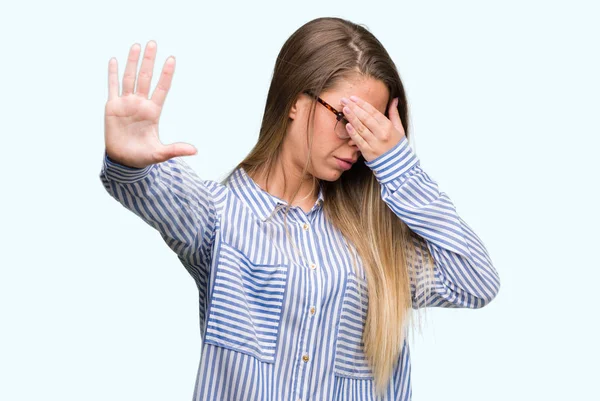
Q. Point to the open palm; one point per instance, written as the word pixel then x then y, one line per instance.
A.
pixel 131 119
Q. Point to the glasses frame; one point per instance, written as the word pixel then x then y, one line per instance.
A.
pixel 338 114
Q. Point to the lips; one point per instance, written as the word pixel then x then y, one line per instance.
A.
pixel 351 161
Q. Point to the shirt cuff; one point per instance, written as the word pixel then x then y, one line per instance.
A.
pixel 124 174
pixel 394 163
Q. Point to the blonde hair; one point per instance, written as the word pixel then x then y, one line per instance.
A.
pixel 316 57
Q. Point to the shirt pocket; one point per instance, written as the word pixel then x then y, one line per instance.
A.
pixel 246 303
pixel 350 360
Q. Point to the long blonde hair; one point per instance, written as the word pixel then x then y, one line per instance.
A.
pixel 316 57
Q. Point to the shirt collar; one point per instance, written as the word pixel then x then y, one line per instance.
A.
pixel 262 203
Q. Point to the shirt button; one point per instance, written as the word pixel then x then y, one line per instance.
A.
pixel 313 266
pixel 305 226
pixel 305 357
pixel 312 310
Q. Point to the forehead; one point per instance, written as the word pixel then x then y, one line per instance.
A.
pixel 373 91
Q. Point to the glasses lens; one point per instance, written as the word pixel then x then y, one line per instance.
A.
pixel 340 129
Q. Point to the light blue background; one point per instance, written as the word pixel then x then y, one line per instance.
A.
pixel 504 104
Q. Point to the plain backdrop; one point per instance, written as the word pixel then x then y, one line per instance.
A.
pixel 504 104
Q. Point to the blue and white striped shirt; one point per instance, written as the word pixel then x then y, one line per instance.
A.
pixel 281 324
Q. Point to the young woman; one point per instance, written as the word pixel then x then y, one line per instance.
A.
pixel 312 254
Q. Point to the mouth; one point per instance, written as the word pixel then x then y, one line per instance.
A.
pixel 345 164
pixel 351 161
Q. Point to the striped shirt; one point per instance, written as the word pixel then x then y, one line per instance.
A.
pixel 284 322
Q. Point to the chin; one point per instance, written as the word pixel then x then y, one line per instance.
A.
pixel 329 174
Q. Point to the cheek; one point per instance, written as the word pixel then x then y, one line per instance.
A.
pixel 323 146
pixel 322 153
pixel 326 141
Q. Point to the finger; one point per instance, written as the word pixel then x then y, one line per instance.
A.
pixel 356 122
pixel 357 138
pixel 395 116
pixel 164 82
pixel 130 69
pixel 113 79
pixel 177 149
pixel 370 109
pixel 145 75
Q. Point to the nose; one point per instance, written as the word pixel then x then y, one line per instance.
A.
pixel 352 143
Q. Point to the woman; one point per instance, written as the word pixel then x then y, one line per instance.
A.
pixel 311 256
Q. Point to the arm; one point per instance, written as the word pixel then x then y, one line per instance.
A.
pixel 171 198
pixel 464 276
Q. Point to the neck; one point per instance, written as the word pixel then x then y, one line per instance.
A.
pixel 289 174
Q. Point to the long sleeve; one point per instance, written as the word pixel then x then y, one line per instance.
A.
pixel 464 276
pixel 171 198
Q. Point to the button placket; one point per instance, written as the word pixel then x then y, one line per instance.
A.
pixel 308 340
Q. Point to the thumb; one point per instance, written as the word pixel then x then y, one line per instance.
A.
pixel 177 149
pixel 395 116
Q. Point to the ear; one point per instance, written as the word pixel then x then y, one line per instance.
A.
pixel 298 104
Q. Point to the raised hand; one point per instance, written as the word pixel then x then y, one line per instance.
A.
pixel 131 119
pixel 373 132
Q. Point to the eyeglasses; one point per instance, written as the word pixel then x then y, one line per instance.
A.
pixel 338 115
